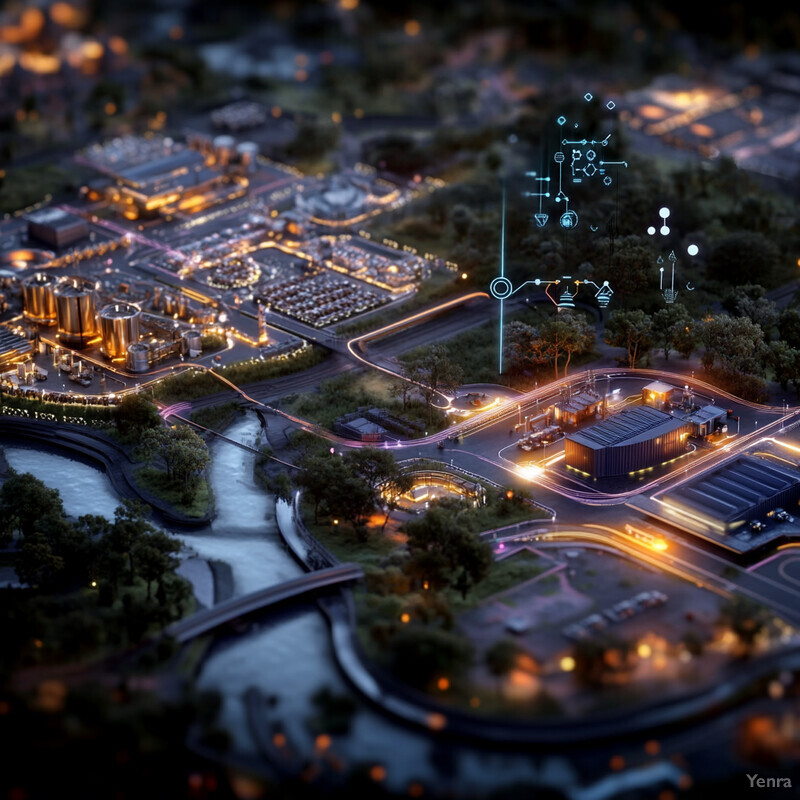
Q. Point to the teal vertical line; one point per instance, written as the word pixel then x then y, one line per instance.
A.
pixel 502 273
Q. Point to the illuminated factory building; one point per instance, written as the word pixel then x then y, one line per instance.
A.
pixel 635 439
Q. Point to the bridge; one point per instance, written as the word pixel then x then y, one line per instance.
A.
pixel 208 619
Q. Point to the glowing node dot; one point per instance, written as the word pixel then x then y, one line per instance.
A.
pixel 651 230
pixel 664 230
pixel 692 249
pixel 663 212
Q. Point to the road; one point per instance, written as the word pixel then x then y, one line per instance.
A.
pixel 224 613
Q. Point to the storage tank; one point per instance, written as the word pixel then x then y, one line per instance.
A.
pixel 184 309
pixel 138 357
pixel 75 310
pixel 119 326
pixel 158 293
pixel 246 152
pixel 223 148
pixel 194 342
pixel 38 298
pixel 170 304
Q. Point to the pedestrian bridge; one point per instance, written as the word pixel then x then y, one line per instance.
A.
pixel 208 619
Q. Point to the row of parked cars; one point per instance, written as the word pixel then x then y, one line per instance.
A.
pixel 621 611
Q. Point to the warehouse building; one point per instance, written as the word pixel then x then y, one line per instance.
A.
pixel 724 500
pixel 56 227
pixel 633 440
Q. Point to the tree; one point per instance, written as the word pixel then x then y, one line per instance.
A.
pixel 566 334
pixel 740 256
pixel 135 414
pixel 183 453
pixel 316 475
pixel 673 330
pixel 735 343
pixel 632 330
pixel 501 657
pixel 130 526
pixel 751 301
pixel 26 503
pixel 38 563
pixel 381 472
pixel 745 618
pixel 785 363
pixel 445 552
pixel 630 270
pixel 421 655
pixel 524 348
pixel 435 373
pixel 789 326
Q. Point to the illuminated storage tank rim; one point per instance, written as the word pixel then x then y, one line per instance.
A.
pixel 119 326
pixel 39 302
pixel 138 357
pixel 76 312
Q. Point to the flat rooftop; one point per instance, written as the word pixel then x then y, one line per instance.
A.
pixel 633 425
pixel 730 492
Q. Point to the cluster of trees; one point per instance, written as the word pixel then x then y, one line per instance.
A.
pixel 670 328
pixel 743 345
pixel 82 574
pixel 352 486
pixel 556 341
pixel 182 453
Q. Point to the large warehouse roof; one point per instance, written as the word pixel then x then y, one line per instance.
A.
pixel 730 492
pixel 633 425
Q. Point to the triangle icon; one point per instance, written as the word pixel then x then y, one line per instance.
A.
pixel 541 219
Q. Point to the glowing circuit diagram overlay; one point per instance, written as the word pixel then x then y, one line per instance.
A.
pixel 670 293
pixel 579 160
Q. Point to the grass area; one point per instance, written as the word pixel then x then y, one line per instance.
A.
pixel 503 575
pixel 193 383
pixel 155 481
pixel 346 393
pixel 217 417
pixel 475 352
pixel 341 539
pixel 23 186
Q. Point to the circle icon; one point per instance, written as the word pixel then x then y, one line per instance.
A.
pixel 501 288
pixel 569 219
pixel 559 157
pixel 663 212
pixel 692 249
pixel 651 230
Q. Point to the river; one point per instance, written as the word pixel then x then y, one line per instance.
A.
pixel 288 657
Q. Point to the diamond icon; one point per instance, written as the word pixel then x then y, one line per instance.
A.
pixel 561 120
pixel 611 105
pixel 588 96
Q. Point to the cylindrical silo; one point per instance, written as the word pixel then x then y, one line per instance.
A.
pixel 184 309
pixel 76 314
pixel 138 357
pixel 38 298
pixel 194 342
pixel 223 148
pixel 246 153
pixel 119 326
pixel 158 293
pixel 170 304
